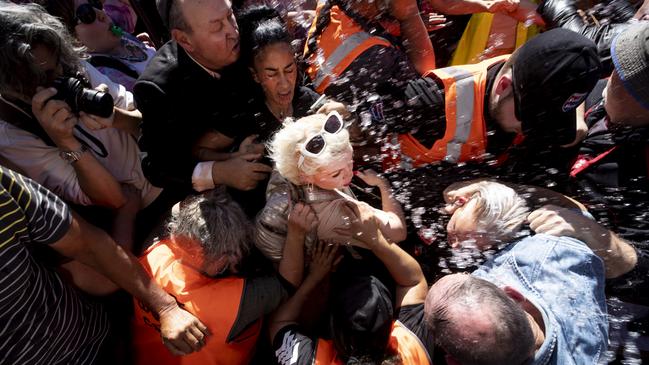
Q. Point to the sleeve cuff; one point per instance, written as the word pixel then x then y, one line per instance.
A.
pixel 202 176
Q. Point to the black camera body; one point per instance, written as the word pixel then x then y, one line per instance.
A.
pixel 72 91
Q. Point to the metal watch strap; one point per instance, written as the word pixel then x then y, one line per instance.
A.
pixel 73 156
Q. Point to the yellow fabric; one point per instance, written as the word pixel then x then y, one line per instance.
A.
pixel 476 36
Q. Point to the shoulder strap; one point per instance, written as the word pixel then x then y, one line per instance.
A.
pixel 114 63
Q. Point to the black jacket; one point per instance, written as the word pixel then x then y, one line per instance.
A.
pixel 614 17
pixel 179 102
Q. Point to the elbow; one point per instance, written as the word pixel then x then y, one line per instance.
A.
pixel 113 202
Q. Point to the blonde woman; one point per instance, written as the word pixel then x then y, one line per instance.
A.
pixel 308 191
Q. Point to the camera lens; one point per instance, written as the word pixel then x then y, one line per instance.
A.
pixel 96 103
pixel 71 90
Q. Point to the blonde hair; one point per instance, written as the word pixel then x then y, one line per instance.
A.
pixel 285 147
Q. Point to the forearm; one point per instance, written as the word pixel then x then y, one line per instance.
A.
pixel 208 154
pixel 95 181
pixel 291 266
pixel 618 255
pixel 395 229
pixel 403 268
pixel 452 7
pixel 417 43
pixel 128 121
pixel 289 312
pixel 100 252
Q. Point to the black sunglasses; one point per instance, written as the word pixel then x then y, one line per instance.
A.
pixel 86 14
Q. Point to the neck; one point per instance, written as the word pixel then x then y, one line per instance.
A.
pixel 279 111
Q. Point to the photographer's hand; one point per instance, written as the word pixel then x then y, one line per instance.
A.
pixel 56 118
pixel 94 122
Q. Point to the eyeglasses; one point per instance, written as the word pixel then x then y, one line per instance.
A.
pixel 316 143
pixel 86 14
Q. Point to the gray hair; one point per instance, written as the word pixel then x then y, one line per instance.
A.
pixel 176 18
pixel 500 210
pixel 24 27
pixel 285 147
pixel 217 223
pixel 510 339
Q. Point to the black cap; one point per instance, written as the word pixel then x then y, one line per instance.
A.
pixel 362 316
pixel 552 74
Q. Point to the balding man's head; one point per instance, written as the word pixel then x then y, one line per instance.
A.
pixel 475 322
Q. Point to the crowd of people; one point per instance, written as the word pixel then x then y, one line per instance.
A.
pixel 348 182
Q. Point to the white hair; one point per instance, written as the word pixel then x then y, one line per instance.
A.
pixel 500 210
pixel 285 147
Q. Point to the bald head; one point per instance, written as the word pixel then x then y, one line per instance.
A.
pixel 475 322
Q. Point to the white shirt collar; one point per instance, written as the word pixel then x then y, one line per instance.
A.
pixel 214 74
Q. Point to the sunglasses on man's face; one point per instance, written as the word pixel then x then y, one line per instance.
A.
pixel 316 143
pixel 86 13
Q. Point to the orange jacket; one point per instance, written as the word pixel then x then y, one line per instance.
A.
pixel 214 301
pixel 466 135
pixel 341 42
pixel 406 343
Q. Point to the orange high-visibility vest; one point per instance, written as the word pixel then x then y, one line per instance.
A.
pixel 466 135
pixel 214 301
pixel 406 343
pixel 340 43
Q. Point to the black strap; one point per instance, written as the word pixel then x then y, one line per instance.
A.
pixel 110 62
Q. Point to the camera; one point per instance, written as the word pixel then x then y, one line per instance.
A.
pixel 72 91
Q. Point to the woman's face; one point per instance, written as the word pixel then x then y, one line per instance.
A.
pixel 336 175
pixel 97 36
pixel 275 70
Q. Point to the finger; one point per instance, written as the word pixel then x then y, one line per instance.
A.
pixel 192 341
pixel 182 346
pixel 257 176
pixel 250 156
pixel 199 335
pixel 172 348
pixel 60 116
pixel 102 88
pixel 41 97
pixel 260 167
pixel 203 328
pixel 90 122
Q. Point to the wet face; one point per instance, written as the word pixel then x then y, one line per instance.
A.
pixel 621 107
pixel 275 70
pixel 213 39
pixel 462 229
pixel 96 36
pixel 336 175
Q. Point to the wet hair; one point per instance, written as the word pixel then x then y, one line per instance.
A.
pixel 23 28
pixel 510 340
pixel 500 210
pixel 260 26
pixel 217 223
pixel 324 18
pixel 285 147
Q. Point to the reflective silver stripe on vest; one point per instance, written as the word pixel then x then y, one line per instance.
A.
pixel 464 90
pixel 341 52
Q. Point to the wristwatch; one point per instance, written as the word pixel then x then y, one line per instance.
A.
pixel 73 156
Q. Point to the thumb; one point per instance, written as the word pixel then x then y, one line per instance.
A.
pixel 102 88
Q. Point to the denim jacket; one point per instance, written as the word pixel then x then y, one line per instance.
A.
pixel 564 279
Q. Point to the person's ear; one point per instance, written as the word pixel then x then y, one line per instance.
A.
pixel 514 294
pixel 254 74
pixel 450 360
pixel 504 85
pixel 181 38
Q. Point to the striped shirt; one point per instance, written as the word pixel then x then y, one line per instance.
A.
pixel 42 319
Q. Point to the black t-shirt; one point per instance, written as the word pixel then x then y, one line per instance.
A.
pixel 292 347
